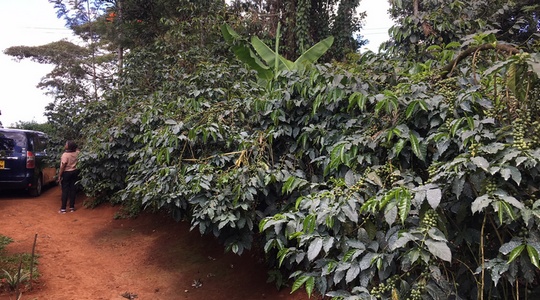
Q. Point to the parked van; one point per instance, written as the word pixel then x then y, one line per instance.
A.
pixel 24 163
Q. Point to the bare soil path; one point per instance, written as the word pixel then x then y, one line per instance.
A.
pixel 88 254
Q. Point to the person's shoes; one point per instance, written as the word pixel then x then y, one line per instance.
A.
pixel 62 211
pixel 72 210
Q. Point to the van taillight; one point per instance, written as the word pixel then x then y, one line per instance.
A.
pixel 30 160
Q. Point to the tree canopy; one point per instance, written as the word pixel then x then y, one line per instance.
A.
pixel 420 24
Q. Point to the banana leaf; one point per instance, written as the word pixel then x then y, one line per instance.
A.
pixel 269 56
pixel 315 52
pixel 244 53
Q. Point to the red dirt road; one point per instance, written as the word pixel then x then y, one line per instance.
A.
pixel 89 255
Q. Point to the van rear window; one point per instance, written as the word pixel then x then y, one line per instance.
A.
pixel 12 141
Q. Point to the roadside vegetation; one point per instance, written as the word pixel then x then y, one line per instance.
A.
pixel 411 173
pixel 17 270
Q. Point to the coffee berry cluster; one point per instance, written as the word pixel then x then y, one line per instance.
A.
pixel 417 291
pixel 388 174
pixel 490 186
pixel 433 170
pixel 384 288
pixel 429 220
pixel 536 136
pixel 521 124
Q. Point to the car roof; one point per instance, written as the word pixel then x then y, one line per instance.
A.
pixel 21 130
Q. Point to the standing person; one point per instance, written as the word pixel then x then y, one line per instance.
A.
pixel 68 175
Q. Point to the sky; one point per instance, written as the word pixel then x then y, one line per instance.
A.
pixel 34 23
pixel 25 23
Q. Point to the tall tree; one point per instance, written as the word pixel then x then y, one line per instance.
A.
pixel 347 23
pixel 304 22
pixel 422 23
pixel 71 83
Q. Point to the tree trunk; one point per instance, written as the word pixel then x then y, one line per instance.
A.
pixel 120 47
pixel 93 49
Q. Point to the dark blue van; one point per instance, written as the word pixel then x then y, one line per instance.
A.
pixel 24 163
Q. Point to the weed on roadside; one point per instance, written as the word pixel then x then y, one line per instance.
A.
pixel 16 270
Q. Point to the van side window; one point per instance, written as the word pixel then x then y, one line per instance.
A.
pixel 31 143
pixel 42 143
pixel 6 144
pixel 13 141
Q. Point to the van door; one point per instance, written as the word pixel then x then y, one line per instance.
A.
pixel 43 161
pixel 12 157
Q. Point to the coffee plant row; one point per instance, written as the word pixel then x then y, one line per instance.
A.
pixel 384 179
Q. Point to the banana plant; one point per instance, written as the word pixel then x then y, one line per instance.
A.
pixel 273 62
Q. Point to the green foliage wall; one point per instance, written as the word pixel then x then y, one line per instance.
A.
pixel 366 182
pixel 384 178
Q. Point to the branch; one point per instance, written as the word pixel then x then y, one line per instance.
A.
pixel 447 70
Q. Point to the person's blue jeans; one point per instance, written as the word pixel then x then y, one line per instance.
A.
pixel 68 188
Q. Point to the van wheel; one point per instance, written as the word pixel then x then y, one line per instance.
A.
pixel 35 191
